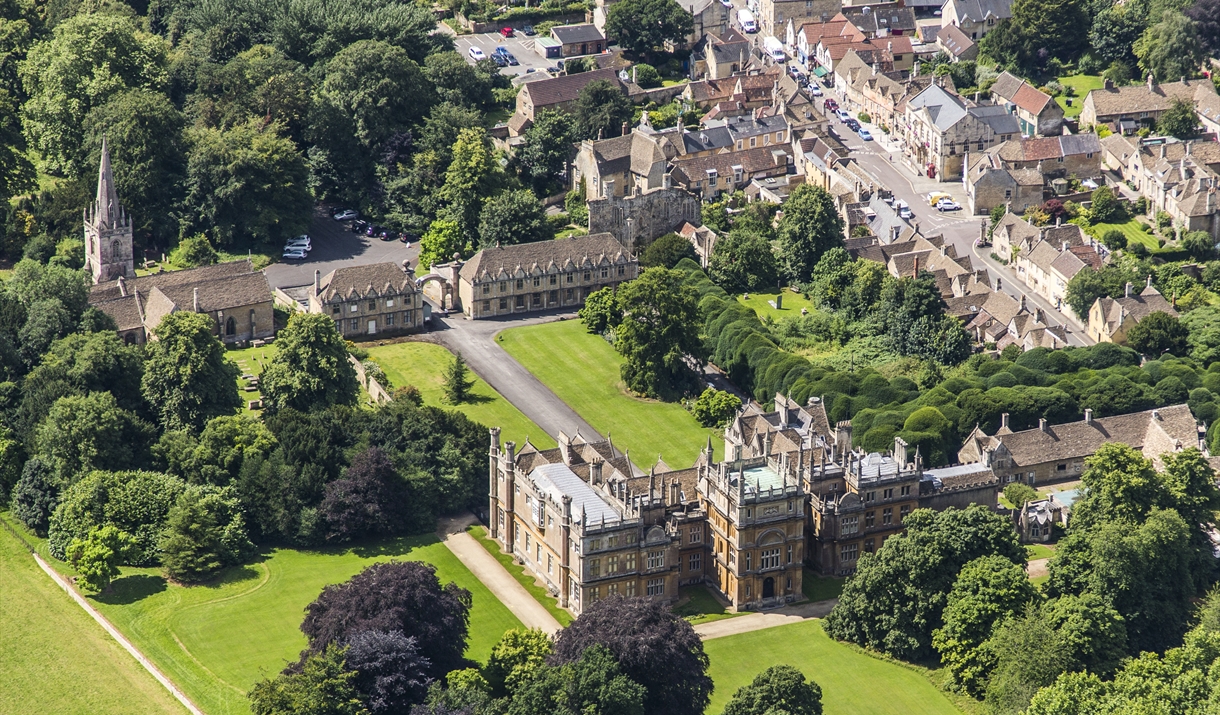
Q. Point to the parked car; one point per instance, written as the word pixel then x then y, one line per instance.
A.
pixel 336 210
pixel 346 215
pixel 374 230
pixel 293 254
pixel 935 197
pixel 852 124
pixel 301 242
pixel 359 226
pixel 500 61
pixel 904 209
pixel 407 237
pixel 388 235
pixel 865 134
pixel 511 60
pixel 948 205
pixel 831 105
pixel 507 31
pixel 793 72
pixel 528 30
pixel 843 116
pixel 727 3
pixel 476 54
pixel 814 90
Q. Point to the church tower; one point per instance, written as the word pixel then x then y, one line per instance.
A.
pixel 108 235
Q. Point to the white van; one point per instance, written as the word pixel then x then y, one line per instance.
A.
pixel 773 47
pixel 745 18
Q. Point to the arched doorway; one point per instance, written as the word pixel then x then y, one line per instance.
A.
pixel 439 289
pixel 230 327
pixel 768 587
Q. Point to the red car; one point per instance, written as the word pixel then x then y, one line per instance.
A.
pixel 507 31
pixel 831 105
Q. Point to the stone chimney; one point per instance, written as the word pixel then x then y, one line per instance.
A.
pixel 1003 420
pixel 1151 83
pixel 1088 416
pixel 1127 290
pixel 625 128
pixel 1042 424
pixel 1107 84
pixel 675 493
pixel 122 286
pixel 595 471
pixel 317 282
pixel 1149 283
pixel 915 270
pixel 196 300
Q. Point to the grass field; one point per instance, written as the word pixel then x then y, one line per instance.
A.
pixel 423 365
pixel 518 572
pixel 852 682
pixel 700 606
pixel 791 305
pixel 1038 551
pixel 215 641
pixel 1132 229
pixel 820 588
pixel 1082 83
pixel 251 361
pixel 55 658
pixel 583 370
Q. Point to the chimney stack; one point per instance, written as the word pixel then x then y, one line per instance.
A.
pixel 317 282
pixel 1088 416
pixel 196 300
pixel 1042 424
pixel 1149 283
pixel 1003 420
pixel 1151 82
pixel 1127 292
pixel 625 126
pixel 122 287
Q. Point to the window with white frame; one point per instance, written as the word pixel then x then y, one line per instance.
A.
pixel 656 560
pixel 849 552
pixel 656 587
pixel 696 534
pixel 696 561
pixel 850 524
pixel 769 559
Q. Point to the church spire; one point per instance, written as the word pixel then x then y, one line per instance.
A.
pixel 106 210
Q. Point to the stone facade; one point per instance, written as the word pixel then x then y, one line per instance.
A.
pixel 638 219
pixel 1110 319
pixel 774 15
pixel 940 127
pixel 508 280
pixel 369 301
pixel 109 250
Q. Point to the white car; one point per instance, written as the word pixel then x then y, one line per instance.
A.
pixel 843 115
pixel 814 90
pixel 293 254
pixel 305 246
pixel 476 54
pixel 948 205
pixel 865 135
pixel 347 215
pixel 727 3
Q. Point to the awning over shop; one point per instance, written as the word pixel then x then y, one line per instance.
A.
pixel 820 71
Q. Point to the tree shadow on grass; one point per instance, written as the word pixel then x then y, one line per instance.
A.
pixel 475 398
pixel 129 589
pixel 398 546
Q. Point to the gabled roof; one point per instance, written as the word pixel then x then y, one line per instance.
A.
pixel 1000 121
pixel 1016 90
pixel 943 107
pixel 220 287
pixel 567 34
pixel 980 10
pixel 558 255
pixel 565 88
pixel 955 41
pixel 1142 98
pixel 881 17
pixel 357 282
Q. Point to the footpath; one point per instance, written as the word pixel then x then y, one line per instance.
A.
pixel 764 619
pixel 493 575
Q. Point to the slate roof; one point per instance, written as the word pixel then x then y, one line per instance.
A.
pixel 562 254
pixel 149 298
pixel 1136 306
pixel 979 10
pixel 881 17
pixel 568 34
pixel 1021 93
pixel 752 161
pixel 370 280
pixel 1155 432
pixel 755 87
pixel 944 109
pixel 1136 98
pixel 565 88
pixel 1000 121
pixel 1045 148
pixel 955 41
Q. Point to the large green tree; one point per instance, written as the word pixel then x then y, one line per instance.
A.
pixel 187 378
pixel 744 261
pixel 514 216
pixel 246 185
pixel 643 26
pixel 470 178
pixel 86 432
pixel 592 685
pixel 309 369
pixel 204 531
pixel 143 131
pixel 898 595
pixel 988 590
pixel 601 110
pixel 515 658
pixel 778 689
pixel 545 148
pixel 659 334
pixel 259 82
pixel 1180 121
pixel 1170 48
pixel 89 58
pixel 322 686
pixel 810 227
pixel 1158 334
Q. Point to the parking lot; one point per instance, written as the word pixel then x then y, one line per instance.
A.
pixel 521 47
pixel 335 246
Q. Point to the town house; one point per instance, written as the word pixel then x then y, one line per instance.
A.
pixel 1037 112
pixel 939 129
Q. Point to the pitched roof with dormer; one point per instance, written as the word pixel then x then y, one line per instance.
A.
pixel 371 280
pixel 542 257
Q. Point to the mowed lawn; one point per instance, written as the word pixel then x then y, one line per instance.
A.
pixel 250 361
pixel 852 682
pixel 1132 229
pixel 790 306
pixel 583 370
pixel 55 658
pixel 1083 84
pixel 423 365
pixel 216 640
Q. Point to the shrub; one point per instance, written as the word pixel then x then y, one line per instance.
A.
pixel 864 118
pixel 1019 494
pixel 1114 239
pixel 646 76
pixel 714 408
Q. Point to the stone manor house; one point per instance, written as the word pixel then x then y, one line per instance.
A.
pixel 790 493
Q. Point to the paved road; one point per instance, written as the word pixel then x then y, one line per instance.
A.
pixel 883 159
pixel 335 246
pixel 768 619
pixel 476 340
pixel 493 575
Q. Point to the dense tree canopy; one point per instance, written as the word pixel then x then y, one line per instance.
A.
pixel 643 26
pixel 811 226
pixel 659 334
pixel 778 689
pixel 187 375
pixel 309 368
pixel 654 648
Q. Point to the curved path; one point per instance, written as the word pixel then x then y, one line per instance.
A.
pixel 476 340
pixel 764 619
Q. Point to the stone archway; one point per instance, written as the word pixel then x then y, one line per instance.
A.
pixel 437 288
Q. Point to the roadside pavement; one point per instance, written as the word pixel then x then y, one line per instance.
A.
pixel 493 575
pixel 765 619
pixel 476 339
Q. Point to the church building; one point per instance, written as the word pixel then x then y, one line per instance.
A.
pixel 236 297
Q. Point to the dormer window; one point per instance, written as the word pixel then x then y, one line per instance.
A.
pixel 372 305
pixel 389 302
pixel 355 308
